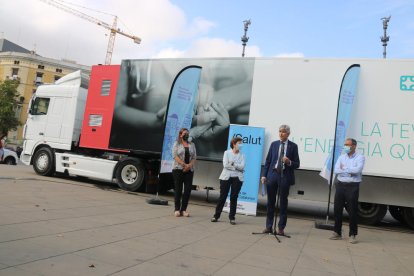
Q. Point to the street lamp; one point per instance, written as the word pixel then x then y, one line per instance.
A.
pixel 385 38
pixel 245 38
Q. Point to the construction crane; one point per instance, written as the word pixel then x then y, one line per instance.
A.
pixel 113 29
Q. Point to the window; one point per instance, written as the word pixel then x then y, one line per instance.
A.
pixel 106 86
pixel 39 77
pixel 18 111
pixel 17 62
pixel 58 70
pixel 40 67
pixel 40 106
pixel 57 77
pixel 15 72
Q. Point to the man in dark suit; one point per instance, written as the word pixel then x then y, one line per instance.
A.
pixel 278 173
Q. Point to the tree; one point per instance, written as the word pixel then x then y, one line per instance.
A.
pixel 9 98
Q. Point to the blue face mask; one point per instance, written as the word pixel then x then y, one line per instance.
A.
pixel 347 149
pixel 240 146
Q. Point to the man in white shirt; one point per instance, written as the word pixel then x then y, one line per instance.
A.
pixel 348 169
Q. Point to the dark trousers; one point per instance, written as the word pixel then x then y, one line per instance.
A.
pixel 234 184
pixel 272 187
pixel 181 178
pixel 346 193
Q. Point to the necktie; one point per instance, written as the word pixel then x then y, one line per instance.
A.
pixel 279 167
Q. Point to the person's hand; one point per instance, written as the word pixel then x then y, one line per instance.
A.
pixel 186 167
pixel 221 123
pixel 129 116
pixel 204 116
pixel 223 119
pixel 286 160
pixel 161 113
pixel 209 129
pixel 263 180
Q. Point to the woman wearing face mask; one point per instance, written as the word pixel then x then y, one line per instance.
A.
pixel 184 154
pixel 231 177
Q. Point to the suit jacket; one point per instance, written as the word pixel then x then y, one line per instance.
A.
pixel 273 156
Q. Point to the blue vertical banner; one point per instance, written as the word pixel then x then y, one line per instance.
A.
pixel 253 142
pixel 347 95
pixel 180 110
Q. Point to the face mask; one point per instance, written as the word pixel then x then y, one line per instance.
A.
pixel 240 146
pixel 347 149
pixel 185 137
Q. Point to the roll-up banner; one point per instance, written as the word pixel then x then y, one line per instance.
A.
pixel 347 94
pixel 180 110
pixel 253 140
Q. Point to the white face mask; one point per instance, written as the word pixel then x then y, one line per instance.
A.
pixel 239 147
pixel 347 149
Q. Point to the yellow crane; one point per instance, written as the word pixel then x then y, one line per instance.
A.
pixel 113 29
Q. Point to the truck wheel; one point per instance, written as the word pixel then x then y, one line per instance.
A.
pixel 44 162
pixel 408 215
pixel 10 161
pixel 396 212
pixel 130 175
pixel 371 213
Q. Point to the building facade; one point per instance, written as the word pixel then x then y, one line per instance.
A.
pixel 31 70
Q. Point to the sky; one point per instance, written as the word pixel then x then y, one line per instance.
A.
pixel 211 28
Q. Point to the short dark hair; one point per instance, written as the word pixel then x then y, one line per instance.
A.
pixel 354 142
pixel 234 141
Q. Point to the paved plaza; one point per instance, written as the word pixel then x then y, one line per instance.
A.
pixel 55 226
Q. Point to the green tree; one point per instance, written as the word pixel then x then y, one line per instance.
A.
pixel 8 102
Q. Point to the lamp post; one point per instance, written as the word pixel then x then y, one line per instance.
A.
pixel 385 38
pixel 245 38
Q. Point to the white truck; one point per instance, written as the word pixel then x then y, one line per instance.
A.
pixel 115 130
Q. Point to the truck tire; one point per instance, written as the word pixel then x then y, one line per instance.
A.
pixel 396 213
pixel 371 213
pixel 44 162
pixel 130 175
pixel 408 215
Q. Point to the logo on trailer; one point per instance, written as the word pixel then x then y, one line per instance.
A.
pixel 407 83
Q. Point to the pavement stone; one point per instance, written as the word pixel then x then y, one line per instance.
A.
pixel 54 226
pixel 70 264
pixel 154 269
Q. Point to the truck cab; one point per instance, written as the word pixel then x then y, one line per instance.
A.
pixel 55 118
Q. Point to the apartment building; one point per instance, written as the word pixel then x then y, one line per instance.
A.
pixel 32 70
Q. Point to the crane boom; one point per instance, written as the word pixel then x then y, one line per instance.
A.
pixel 113 29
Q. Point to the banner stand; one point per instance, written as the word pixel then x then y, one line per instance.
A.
pixel 183 95
pixel 346 97
pixel 253 142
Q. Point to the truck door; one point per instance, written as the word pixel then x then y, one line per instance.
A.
pixel 37 119
pixel 54 119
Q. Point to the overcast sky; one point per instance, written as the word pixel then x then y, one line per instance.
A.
pixel 211 28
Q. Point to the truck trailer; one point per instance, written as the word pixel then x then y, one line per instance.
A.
pixel 111 126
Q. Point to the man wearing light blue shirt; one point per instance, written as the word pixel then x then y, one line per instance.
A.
pixel 348 169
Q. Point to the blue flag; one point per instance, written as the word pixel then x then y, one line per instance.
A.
pixel 180 111
pixel 347 94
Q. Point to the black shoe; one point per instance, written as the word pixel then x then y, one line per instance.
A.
pixel 267 231
pixel 213 219
pixel 232 222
